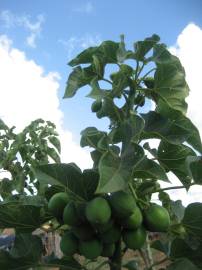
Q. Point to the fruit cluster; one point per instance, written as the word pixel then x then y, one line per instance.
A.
pixel 95 226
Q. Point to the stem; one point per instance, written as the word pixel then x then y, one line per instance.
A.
pixel 147 74
pixel 169 188
pixel 106 80
pixel 135 195
pixel 116 259
pixel 149 254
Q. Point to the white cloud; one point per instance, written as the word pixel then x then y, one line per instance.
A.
pixel 34 28
pixel 86 8
pixel 27 93
pixel 188 49
pixel 75 43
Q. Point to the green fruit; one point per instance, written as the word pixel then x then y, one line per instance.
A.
pixel 90 249
pixel 69 244
pixel 98 211
pixel 57 204
pixel 83 232
pixel 134 239
pixel 108 250
pixel 70 216
pixel 105 227
pixel 133 221
pixel 96 106
pixel 80 209
pixel 156 218
pixel 111 236
pixel 122 203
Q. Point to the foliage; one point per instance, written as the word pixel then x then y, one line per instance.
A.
pixel 124 162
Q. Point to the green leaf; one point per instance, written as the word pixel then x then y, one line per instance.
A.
pixel 123 54
pixel 170 84
pixel 91 136
pixel 78 78
pixel 184 264
pixel 180 249
pixel 115 171
pixel 28 246
pixel 131 265
pixel 161 246
pixel 177 209
pixel 58 174
pixel 96 92
pixel 158 126
pixel 128 131
pixel 80 186
pixel 193 219
pixel 24 215
pixel 195 168
pixel 91 179
pixel 98 66
pixel 85 57
pixel 55 142
pixel 172 158
pixel 143 47
pixel 109 49
pixel 65 263
pixel 179 119
pixel 148 168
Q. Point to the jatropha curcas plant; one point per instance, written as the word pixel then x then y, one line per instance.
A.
pixel 104 211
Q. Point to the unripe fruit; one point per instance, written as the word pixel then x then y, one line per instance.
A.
pixel 69 244
pixel 156 218
pixel 57 204
pixel 70 216
pixel 90 249
pixel 83 232
pixel 98 211
pixel 108 250
pixel 135 220
pixel 111 236
pixel 122 203
pixel 96 106
pixel 134 239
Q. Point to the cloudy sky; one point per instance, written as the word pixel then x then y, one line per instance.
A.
pixel 38 38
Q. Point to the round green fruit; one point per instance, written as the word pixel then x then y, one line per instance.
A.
pixel 135 220
pixel 156 218
pixel 57 204
pixel 108 250
pixel 98 211
pixel 122 203
pixel 111 236
pixel 69 244
pixel 83 232
pixel 134 239
pixel 96 106
pixel 90 249
pixel 70 216
pixel 105 227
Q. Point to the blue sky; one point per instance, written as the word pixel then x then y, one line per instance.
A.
pixel 92 22
pixel 38 38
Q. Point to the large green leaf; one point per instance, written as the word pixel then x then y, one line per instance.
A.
pixel 25 215
pixel 182 264
pixel 158 126
pixel 28 246
pixel 85 57
pixel 91 136
pixel 149 169
pixel 128 131
pixel 143 47
pixel 170 84
pixel 193 219
pixel 78 78
pixel 115 170
pixel 179 119
pixel 180 249
pixel 80 186
pixel 172 158
pixel 195 168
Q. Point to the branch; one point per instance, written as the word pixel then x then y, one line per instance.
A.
pixel 175 187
